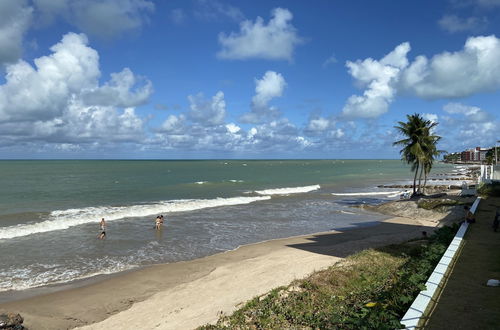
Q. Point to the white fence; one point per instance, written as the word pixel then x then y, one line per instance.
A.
pixel 489 173
pixel 417 314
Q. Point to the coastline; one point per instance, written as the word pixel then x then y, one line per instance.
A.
pixel 192 293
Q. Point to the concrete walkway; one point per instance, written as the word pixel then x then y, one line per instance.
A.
pixel 466 302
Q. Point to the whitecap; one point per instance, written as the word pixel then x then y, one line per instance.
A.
pixel 64 219
pixel 288 191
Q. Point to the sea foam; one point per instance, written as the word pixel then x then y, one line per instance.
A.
pixel 288 191
pixel 64 219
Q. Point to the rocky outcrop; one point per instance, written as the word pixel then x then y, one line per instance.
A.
pixel 437 210
pixel 11 321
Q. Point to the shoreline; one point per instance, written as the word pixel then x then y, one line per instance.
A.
pixel 86 281
pixel 189 293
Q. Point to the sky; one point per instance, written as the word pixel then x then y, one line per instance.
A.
pixel 214 79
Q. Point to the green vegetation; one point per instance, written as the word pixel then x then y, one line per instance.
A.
pixel 432 204
pixel 489 189
pixel 369 290
pixel 453 157
pixel 419 147
pixel 490 155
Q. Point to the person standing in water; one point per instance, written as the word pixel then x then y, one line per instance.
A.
pixel 102 224
pixel 158 222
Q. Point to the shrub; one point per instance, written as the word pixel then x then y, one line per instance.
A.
pixel 369 290
pixel 431 204
pixel 489 189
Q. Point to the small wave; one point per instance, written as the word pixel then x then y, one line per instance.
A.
pixel 347 212
pixel 27 278
pixel 236 181
pixel 64 219
pixel 39 274
pixel 374 193
pixel 201 182
pixel 288 191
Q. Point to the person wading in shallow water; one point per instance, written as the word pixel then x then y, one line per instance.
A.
pixel 102 224
pixel 158 222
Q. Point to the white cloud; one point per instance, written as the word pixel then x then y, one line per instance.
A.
pixel 467 126
pixel 379 78
pixel 233 128
pixel 15 19
pixel 59 100
pixel 279 135
pixel 431 116
pixel 453 23
pixel 119 91
pixel 269 87
pixel 318 124
pixel 173 124
pixel 337 133
pixel 474 69
pixel 43 92
pixel 254 39
pixel 79 124
pixel 276 136
pixel 472 113
pixel 207 112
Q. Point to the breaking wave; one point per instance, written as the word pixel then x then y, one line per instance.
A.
pixel 64 219
pixel 288 191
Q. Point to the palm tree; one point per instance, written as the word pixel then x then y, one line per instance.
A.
pixel 431 152
pixel 419 146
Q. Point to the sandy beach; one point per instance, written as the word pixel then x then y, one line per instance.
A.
pixel 188 294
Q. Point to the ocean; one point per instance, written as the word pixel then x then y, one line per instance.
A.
pixel 50 210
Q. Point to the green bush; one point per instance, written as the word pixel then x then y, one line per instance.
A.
pixel 431 204
pixel 489 189
pixel 369 290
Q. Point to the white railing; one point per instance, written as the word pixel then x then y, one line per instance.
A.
pixel 417 313
pixel 489 173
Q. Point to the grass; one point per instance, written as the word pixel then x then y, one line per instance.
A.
pixel 369 290
pixel 433 204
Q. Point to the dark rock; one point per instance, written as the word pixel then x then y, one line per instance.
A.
pixel 11 321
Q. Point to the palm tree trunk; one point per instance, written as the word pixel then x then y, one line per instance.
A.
pixel 420 177
pixel 415 179
pixel 425 181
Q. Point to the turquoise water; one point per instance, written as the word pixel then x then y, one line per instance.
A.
pixel 31 186
pixel 49 210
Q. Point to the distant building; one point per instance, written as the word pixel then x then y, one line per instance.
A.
pixel 476 155
pixel 466 156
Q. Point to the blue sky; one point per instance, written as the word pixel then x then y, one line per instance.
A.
pixel 243 79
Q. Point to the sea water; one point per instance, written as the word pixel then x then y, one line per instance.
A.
pixel 50 210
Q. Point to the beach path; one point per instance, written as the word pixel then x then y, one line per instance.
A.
pixel 466 302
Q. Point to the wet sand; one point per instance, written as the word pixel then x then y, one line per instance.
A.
pixel 188 294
